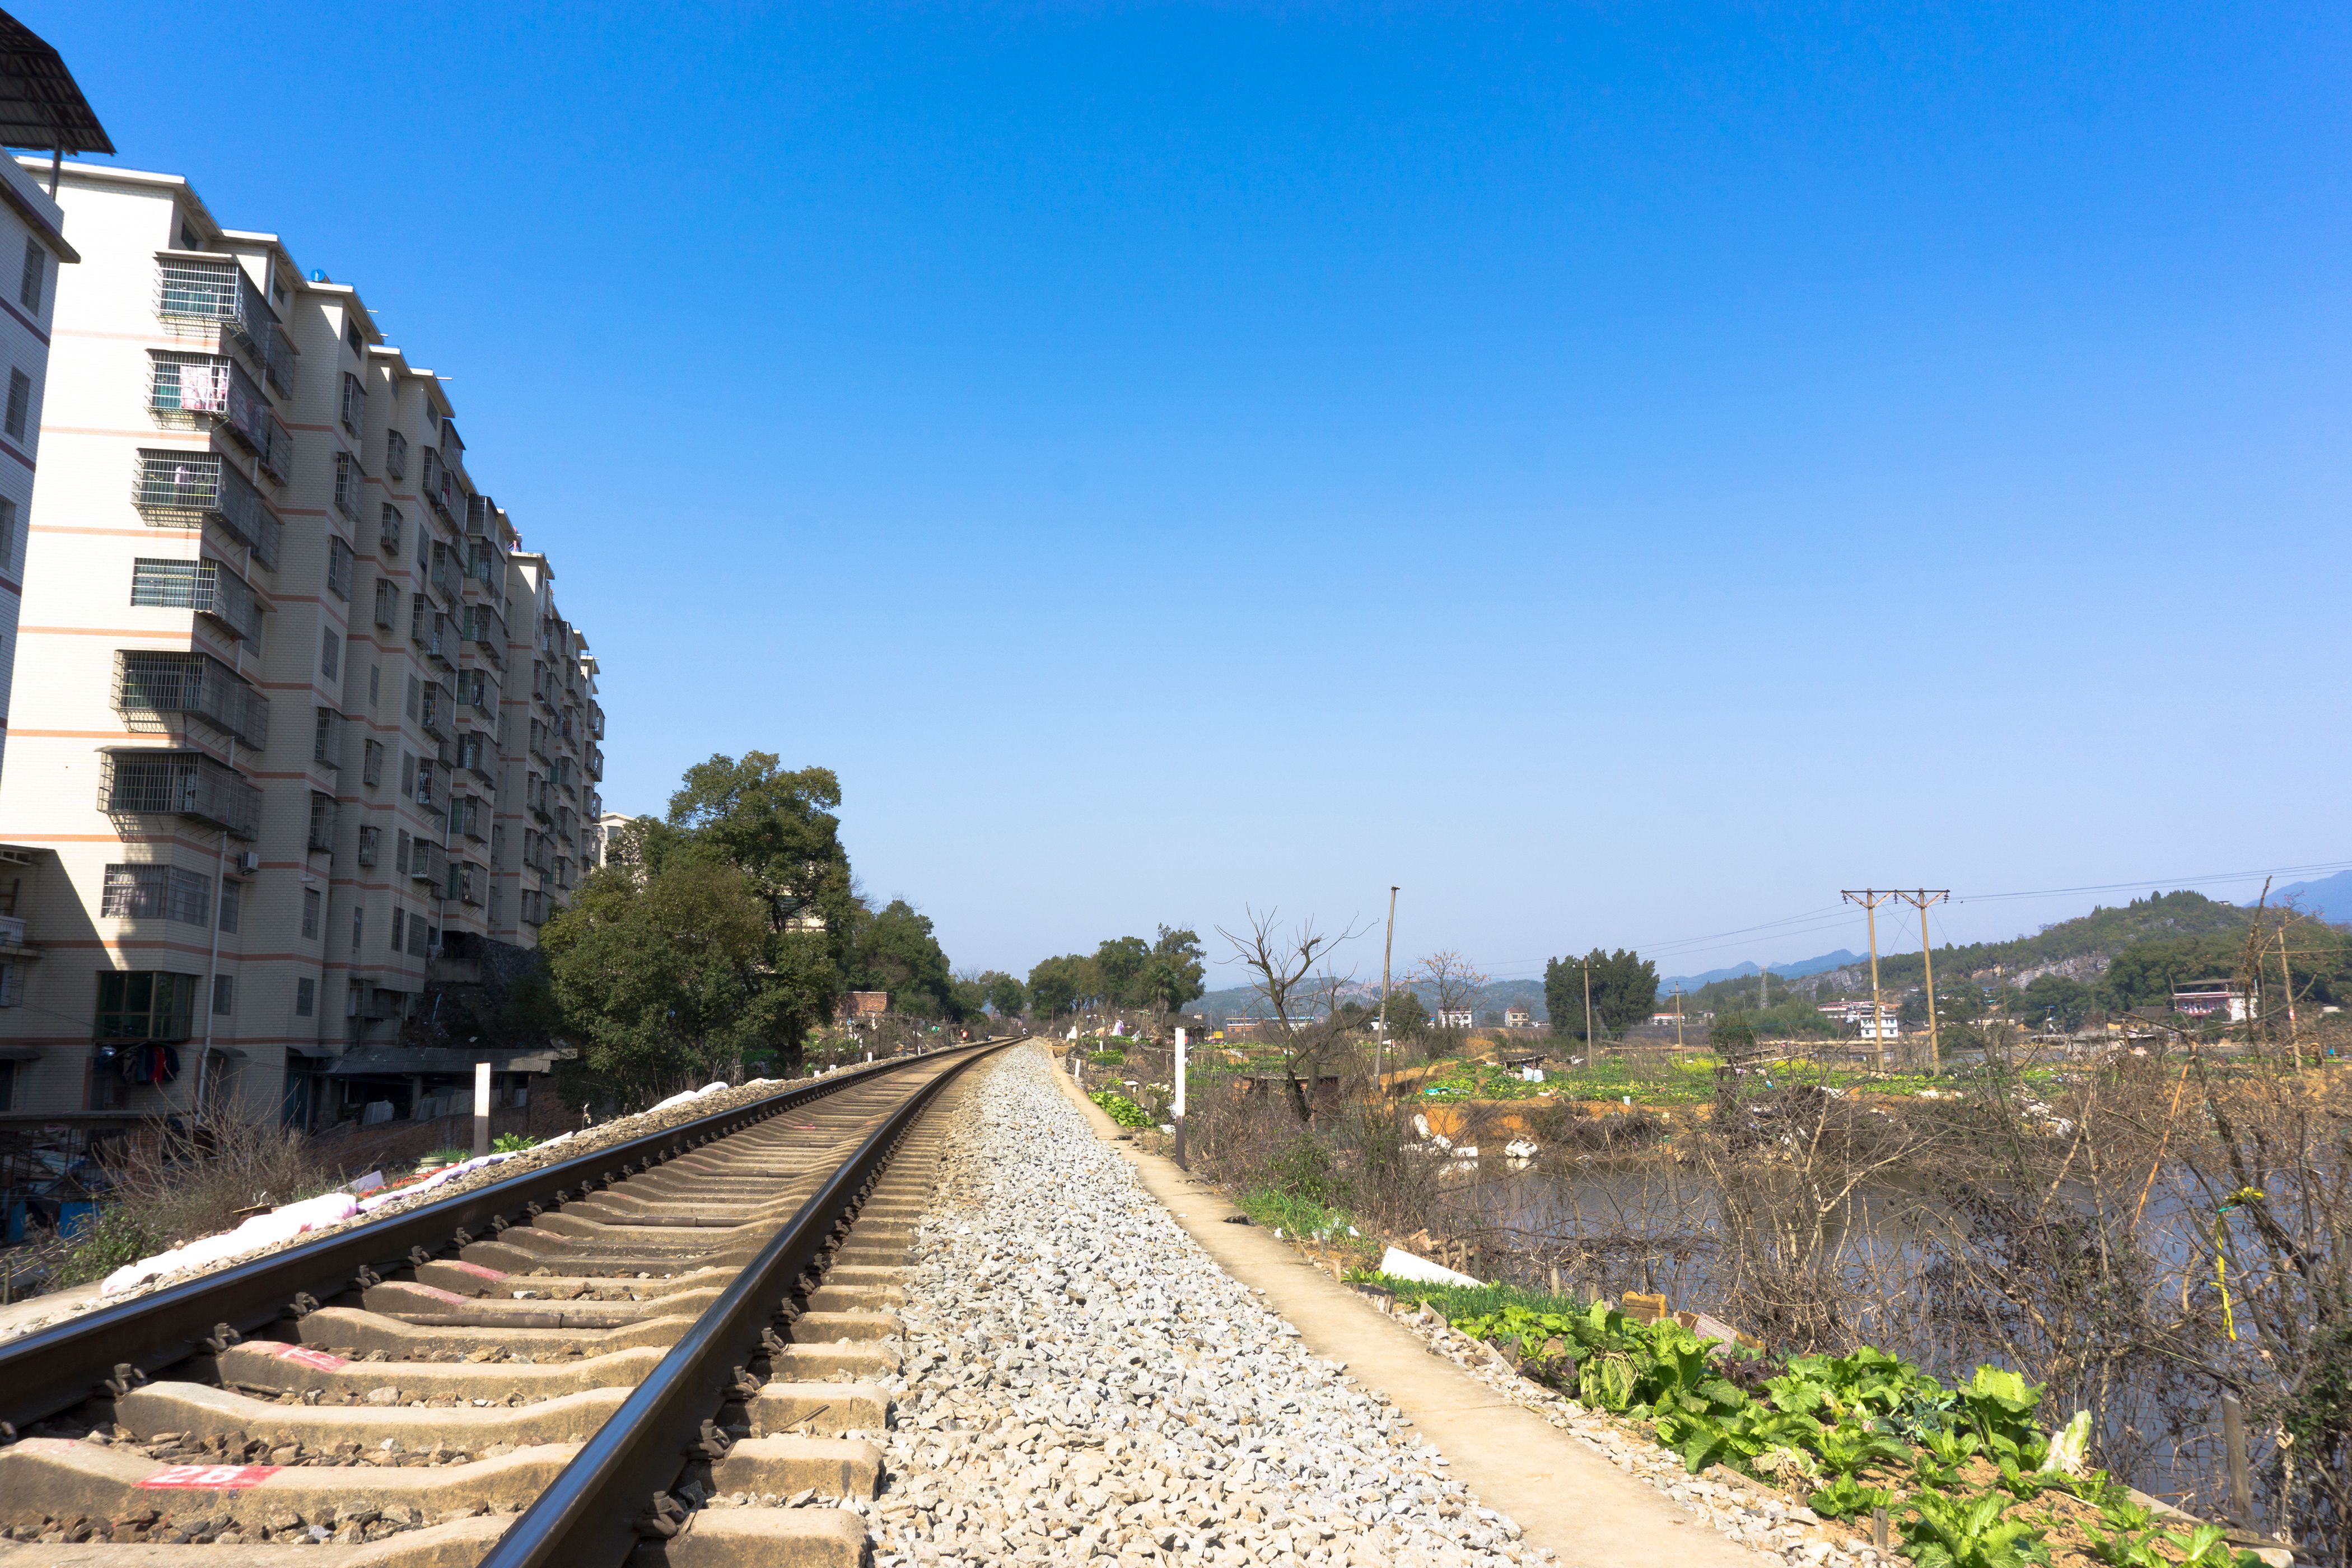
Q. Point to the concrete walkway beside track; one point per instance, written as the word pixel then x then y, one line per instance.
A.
pixel 1562 1494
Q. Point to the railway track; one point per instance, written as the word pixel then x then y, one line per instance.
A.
pixel 667 1350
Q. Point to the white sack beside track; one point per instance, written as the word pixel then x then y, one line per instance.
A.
pixel 1083 1384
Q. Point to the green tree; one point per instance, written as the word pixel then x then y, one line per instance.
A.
pixel 2058 999
pixel 659 975
pixel 777 827
pixel 1119 961
pixel 1624 990
pixel 895 951
pixel 1060 985
pixel 1174 972
pixel 1007 997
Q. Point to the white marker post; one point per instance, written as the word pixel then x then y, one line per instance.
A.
pixel 481 1109
pixel 1179 1102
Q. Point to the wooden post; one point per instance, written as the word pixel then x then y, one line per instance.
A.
pixel 2233 1445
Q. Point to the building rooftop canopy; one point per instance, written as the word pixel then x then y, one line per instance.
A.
pixel 41 103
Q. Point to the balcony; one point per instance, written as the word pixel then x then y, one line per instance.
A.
pixel 206 587
pixel 438 486
pixel 538 739
pixel 154 688
pixel 182 490
pixel 178 784
pixel 428 862
pixel 445 574
pixel 214 295
pixel 321 839
pixel 595 765
pixel 434 718
pixel 187 391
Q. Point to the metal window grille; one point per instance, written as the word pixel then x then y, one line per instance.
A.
pixel 181 784
pixel 388 528
pixel 231 896
pixel 204 291
pixel 206 586
pixel 339 568
pixel 372 763
pixel 275 444
pixel 322 821
pixel 326 743
pixel 20 403
pixel 150 685
pixel 186 384
pixel 156 892
pixel 425 781
pixel 387 605
pixel 370 837
pixel 354 402
pixel 396 454
pixel 347 485
pixel 180 489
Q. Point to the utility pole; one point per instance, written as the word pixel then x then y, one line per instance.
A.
pixel 1679 1017
pixel 1921 898
pixel 1381 1046
pixel 1870 898
pixel 1591 1045
pixel 2294 1038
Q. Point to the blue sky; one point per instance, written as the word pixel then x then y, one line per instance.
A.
pixel 1622 473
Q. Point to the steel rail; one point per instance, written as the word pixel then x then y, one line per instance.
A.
pixel 591 1513
pixel 52 1370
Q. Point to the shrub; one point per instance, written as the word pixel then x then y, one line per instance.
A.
pixel 1120 1109
pixel 512 1144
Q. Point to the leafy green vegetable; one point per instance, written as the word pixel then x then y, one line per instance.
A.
pixel 1845 1497
pixel 1120 1109
pixel 1950 1533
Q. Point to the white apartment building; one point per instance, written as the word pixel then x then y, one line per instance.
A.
pixel 32 239
pixel 299 733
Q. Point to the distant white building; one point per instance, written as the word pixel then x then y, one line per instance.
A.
pixel 1456 1018
pixel 1855 1016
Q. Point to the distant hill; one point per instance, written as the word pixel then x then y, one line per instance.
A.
pixel 1741 971
pixel 2330 897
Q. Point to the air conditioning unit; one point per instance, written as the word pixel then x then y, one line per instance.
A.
pixel 248 861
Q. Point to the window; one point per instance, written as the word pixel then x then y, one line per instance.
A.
pixel 347 486
pixel 372 763
pixel 359 922
pixel 12 993
pixel 388 526
pixel 331 652
pixel 399 850
pixel 395 456
pixel 8 532
pixel 223 995
pixel 35 274
pixel 354 402
pixel 232 895
pixel 374 686
pixel 339 568
pixel 423 782
pixel 310 912
pixel 420 936
pixel 145 1004
pixel 351 336
pixel 20 403
pixel 407 773
pixel 323 823
pixel 387 605
pixel 150 892
pixel 306 995
pixel 414 706
pixel 399 928
pixel 369 838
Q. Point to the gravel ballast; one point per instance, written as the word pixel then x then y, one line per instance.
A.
pixel 1084 1384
